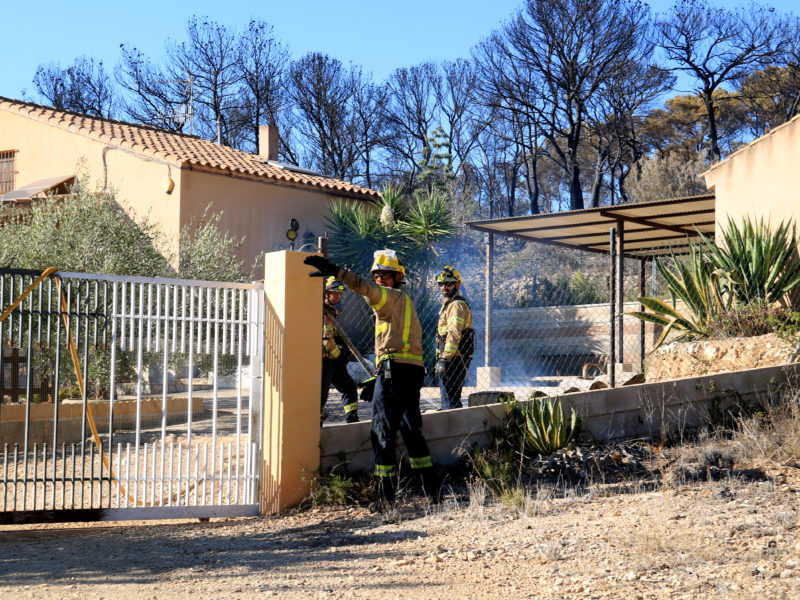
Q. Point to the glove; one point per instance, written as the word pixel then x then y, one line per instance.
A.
pixel 325 268
pixel 368 389
pixel 441 369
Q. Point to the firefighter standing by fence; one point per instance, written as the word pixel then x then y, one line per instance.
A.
pixel 400 373
pixel 336 355
pixel 455 339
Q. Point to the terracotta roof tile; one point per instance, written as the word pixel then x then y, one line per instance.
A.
pixel 179 149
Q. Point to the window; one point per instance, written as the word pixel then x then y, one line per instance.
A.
pixel 7 171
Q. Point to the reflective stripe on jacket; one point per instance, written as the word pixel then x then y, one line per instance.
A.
pixel 454 317
pixel 330 346
pixel 398 333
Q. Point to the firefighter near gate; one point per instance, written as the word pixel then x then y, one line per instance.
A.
pixel 399 374
pixel 336 354
pixel 455 338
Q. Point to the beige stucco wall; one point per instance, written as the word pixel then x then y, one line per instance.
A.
pixel 46 151
pixel 256 210
pixel 761 180
pixel 292 380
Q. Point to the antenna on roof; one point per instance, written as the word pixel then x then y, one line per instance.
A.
pixel 186 112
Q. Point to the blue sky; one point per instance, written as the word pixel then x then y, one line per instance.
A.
pixel 378 35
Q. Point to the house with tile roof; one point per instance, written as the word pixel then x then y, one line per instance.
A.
pixel 169 177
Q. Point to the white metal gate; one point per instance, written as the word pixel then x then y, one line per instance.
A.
pixel 128 397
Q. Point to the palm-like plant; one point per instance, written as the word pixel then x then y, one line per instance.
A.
pixel 760 263
pixel 698 285
pixel 412 228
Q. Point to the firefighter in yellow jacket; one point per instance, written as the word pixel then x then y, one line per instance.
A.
pixel 454 338
pixel 336 355
pixel 400 371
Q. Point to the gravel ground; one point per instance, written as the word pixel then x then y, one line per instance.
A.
pixel 721 539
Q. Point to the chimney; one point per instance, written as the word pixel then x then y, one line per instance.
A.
pixel 268 140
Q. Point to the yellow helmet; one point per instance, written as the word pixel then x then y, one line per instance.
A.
pixel 386 260
pixel 333 285
pixel 448 274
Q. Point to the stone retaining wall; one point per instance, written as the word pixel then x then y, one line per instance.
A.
pixel 646 410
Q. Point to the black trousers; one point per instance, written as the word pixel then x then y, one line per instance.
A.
pixel 335 372
pixel 395 406
pixel 453 381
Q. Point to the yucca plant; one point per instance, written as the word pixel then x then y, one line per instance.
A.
pixel 547 429
pixel 698 285
pixel 760 263
pixel 410 226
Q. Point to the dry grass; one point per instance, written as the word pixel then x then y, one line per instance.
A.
pixel 774 434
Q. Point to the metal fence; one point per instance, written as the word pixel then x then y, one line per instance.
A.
pixel 134 397
pixel 550 322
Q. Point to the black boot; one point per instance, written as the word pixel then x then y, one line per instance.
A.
pixel 431 484
pixel 351 417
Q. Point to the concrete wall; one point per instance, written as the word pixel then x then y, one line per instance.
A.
pixel 646 410
pixel 70 418
pixel 760 180
pixel 555 340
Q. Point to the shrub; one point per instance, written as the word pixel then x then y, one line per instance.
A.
pixel 335 488
pixel 538 426
pixel 747 320
pixel 728 289
pixel 564 290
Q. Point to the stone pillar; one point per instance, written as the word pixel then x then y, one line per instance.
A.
pixel 292 379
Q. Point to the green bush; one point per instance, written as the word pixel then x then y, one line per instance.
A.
pixel 564 290
pixel 748 320
pixel 335 488
pixel 536 427
pixel 696 284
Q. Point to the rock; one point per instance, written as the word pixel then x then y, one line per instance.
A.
pixel 489 397
pixel 635 379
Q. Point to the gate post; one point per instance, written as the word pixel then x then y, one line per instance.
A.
pixel 292 379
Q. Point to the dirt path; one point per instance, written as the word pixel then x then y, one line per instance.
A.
pixel 709 540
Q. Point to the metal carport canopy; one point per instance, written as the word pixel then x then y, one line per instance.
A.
pixel 651 228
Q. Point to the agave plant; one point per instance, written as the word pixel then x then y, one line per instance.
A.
pixel 760 263
pixel 698 285
pixel 547 429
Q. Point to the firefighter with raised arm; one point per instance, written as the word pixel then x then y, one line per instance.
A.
pixel 336 355
pixel 455 339
pixel 399 374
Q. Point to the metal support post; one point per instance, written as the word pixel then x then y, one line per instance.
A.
pixel 489 288
pixel 620 291
pixel 642 266
pixel 612 290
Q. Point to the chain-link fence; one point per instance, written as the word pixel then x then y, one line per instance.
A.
pixel 549 327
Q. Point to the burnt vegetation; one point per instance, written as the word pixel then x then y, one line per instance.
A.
pixel 567 104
